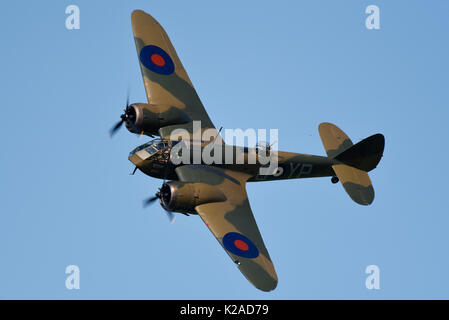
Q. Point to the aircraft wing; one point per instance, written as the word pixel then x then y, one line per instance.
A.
pixel 165 79
pixel 233 223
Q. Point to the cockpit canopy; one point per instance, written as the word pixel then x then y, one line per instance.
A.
pixel 150 148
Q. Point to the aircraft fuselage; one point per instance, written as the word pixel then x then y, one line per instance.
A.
pixel 289 165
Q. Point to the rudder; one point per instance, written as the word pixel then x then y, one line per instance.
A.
pixel 364 155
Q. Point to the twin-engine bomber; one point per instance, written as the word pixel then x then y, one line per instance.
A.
pixel 217 192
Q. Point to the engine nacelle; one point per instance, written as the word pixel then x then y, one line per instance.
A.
pixel 150 118
pixel 184 197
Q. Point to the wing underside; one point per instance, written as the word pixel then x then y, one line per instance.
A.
pixel 165 79
pixel 233 224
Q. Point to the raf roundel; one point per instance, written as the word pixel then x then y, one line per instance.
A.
pixel 157 60
pixel 240 245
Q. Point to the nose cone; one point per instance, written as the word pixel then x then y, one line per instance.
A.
pixel 136 159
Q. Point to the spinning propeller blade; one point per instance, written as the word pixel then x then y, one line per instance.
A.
pixel 123 117
pixel 150 200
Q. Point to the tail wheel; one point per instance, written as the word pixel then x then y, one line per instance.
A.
pixel 334 179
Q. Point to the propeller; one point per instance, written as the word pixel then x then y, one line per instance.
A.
pixel 150 200
pixel 158 195
pixel 128 114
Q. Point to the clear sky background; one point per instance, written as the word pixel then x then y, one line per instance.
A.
pixel 67 196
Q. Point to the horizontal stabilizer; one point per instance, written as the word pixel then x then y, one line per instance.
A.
pixel 353 161
pixel 356 183
pixel 335 141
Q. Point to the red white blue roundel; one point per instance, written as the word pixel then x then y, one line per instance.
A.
pixel 240 245
pixel 157 60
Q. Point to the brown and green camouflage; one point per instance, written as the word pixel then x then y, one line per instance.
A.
pixel 217 191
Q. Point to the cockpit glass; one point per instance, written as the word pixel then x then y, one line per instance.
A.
pixel 151 147
pixel 151 150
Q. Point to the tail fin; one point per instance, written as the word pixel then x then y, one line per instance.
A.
pixel 365 155
pixel 354 161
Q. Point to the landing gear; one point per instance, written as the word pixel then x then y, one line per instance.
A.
pixel 334 179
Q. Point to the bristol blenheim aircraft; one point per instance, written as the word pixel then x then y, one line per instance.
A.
pixel 217 192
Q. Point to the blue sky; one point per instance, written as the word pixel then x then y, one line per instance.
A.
pixel 68 198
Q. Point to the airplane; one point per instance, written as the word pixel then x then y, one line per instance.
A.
pixel 217 192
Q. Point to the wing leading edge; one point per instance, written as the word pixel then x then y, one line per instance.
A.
pixel 233 224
